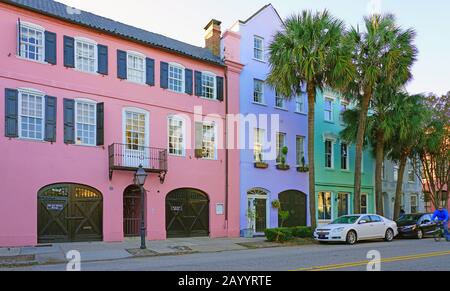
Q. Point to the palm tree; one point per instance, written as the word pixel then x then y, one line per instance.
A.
pixel 410 115
pixel 310 50
pixel 383 54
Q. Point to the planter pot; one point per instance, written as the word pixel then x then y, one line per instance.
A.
pixel 283 167
pixel 303 169
pixel 261 165
pixel 248 233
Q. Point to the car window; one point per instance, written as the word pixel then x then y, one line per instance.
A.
pixel 366 218
pixel 425 219
pixel 375 218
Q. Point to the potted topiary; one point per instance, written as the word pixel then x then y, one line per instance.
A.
pixel 282 165
pixel 249 232
pixel 303 168
pixel 259 164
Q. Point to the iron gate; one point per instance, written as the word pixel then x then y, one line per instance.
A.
pixel 132 212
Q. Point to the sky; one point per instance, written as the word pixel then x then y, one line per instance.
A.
pixel 185 19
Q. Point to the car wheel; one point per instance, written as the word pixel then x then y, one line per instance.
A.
pixel 389 236
pixel 419 234
pixel 351 237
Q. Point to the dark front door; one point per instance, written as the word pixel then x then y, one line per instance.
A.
pixel 132 212
pixel 187 213
pixel 69 213
pixel 295 203
pixel 261 215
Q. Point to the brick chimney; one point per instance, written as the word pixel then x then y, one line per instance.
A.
pixel 212 36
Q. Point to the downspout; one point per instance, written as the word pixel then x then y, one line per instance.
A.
pixel 226 149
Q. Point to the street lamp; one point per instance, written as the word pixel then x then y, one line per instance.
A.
pixel 139 179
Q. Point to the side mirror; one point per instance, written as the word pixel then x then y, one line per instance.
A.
pixel 363 221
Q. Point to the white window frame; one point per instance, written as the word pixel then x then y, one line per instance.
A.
pixel 279 146
pixel 183 132
pixel 183 69
pixel 91 102
pixel 124 123
pixel 416 205
pixel 262 102
pixel 35 27
pixel 36 93
pixel 283 101
pixel 214 77
pixel 396 170
pixel 214 125
pixel 341 113
pixel 412 174
pixel 144 72
pixel 255 57
pixel 297 157
pixel 259 133
pixel 347 157
pixel 325 111
pixel 331 206
pixel 332 153
pixel 367 203
pixel 86 41
pixel 301 98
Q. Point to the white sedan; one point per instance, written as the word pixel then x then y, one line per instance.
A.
pixel 354 228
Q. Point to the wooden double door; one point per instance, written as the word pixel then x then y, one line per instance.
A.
pixel 295 203
pixel 69 213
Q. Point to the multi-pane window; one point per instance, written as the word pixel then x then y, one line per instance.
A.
pixel 258 145
pixel 176 136
pixel 281 143
pixel 209 141
pixel 86 122
pixel 411 174
pixel 300 153
pixel 176 78
pixel 324 206
pixel 258 48
pixel 300 104
pixel 31 115
pixel 364 204
pixel 413 203
pixel 85 56
pixel 396 169
pixel 135 130
pixel 342 110
pixel 31 42
pixel 258 91
pixel 344 157
pixel 328 154
pixel 208 86
pixel 136 68
pixel 279 101
pixel 328 109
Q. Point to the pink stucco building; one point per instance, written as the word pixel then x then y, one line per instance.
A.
pixel 88 100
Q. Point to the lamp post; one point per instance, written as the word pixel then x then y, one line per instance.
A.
pixel 139 179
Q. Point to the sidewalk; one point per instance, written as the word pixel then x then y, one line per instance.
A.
pixel 102 251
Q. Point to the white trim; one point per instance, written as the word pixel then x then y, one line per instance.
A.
pixel 183 77
pixel 266 197
pixel 348 156
pixel 325 110
pixel 32 25
pixel 324 221
pixel 367 203
pixel 214 124
pixel 263 99
pixel 18 36
pixel 143 57
pixel 19 109
pixel 333 143
pixel 349 210
pixel 302 96
pixel 214 76
pixel 147 123
pixel 262 48
pixel 88 101
pixel 88 41
pixel 183 128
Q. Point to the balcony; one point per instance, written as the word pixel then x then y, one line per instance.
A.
pixel 123 157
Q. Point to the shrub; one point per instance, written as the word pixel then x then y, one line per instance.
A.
pixel 284 234
pixel 302 232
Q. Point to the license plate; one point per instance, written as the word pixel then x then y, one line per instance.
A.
pixel 322 236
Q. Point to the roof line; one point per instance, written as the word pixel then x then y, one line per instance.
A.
pixel 259 11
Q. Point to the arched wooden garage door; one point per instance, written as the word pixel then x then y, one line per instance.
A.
pixel 69 213
pixel 294 202
pixel 187 213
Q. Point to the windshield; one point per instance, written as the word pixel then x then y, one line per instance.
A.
pixel 346 220
pixel 410 217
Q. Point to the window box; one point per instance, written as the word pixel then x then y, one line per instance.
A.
pixel 261 165
pixel 282 167
pixel 303 169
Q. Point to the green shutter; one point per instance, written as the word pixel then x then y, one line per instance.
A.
pixel 220 88
pixel 69 121
pixel 50 119
pixel 100 124
pixel 11 113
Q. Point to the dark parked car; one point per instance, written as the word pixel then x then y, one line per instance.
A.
pixel 416 225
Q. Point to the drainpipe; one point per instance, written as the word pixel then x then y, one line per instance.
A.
pixel 226 149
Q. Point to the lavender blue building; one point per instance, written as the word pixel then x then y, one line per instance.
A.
pixel 264 176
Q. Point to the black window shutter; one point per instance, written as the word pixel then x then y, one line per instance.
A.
pixel 198 83
pixel 50 119
pixel 100 124
pixel 69 121
pixel 220 88
pixel 150 71
pixel 69 52
pixel 164 75
pixel 121 64
pixel 50 47
pixel 189 81
pixel 11 113
pixel 102 59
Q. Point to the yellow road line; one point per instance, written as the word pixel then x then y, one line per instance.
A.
pixel 364 263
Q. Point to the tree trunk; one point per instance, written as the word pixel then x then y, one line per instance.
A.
pixel 359 149
pixel 379 159
pixel 399 191
pixel 312 178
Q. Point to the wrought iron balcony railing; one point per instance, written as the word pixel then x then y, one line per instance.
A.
pixel 125 157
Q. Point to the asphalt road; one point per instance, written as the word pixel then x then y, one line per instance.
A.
pixel 400 255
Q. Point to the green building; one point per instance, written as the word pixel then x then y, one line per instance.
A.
pixel 335 163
